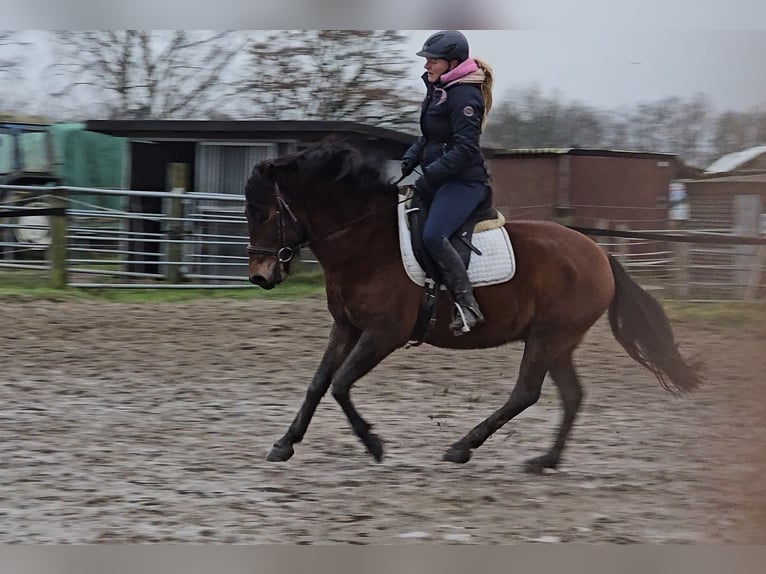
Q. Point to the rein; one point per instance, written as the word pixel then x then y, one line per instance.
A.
pixel 285 253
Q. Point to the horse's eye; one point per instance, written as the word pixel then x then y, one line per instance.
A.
pixel 258 213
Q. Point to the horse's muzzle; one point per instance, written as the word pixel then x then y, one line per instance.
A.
pixel 262 282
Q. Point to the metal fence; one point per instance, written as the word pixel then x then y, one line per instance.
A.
pixel 171 239
pixel 145 239
pixel 690 264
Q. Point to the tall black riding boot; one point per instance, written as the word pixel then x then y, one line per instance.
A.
pixel 455 278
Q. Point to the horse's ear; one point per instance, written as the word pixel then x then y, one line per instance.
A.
pixel 268 171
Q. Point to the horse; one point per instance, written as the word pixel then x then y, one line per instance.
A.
pixel 339 201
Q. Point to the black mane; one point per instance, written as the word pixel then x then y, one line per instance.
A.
pixel 323 164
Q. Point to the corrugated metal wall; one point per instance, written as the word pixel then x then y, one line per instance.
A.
pixel 224 167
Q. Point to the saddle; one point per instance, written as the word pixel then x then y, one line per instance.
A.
pixel 483 218
pixel 488 257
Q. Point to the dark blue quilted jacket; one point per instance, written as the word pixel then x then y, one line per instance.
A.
pixel 450 121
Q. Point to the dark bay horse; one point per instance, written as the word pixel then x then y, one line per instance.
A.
pixel 340 203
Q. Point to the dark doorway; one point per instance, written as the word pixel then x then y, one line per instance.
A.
pixel 148 172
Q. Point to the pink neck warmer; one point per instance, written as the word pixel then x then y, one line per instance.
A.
pixel 464 68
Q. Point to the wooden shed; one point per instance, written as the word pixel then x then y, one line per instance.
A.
pixel 584 187
pixel 218 157
pixel 731 202
pixel 731 195
pixel 221 154
pixel 730 198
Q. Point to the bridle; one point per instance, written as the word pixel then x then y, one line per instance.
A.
pixel 285 253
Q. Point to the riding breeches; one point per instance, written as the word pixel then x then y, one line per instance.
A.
pixel 452 204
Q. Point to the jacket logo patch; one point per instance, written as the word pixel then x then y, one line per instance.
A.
pixel 468 111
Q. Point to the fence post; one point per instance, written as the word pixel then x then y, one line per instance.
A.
pixel 682 261
pixel 621 248
pixel 681 254
pixel 178 179
pixel 57 250
pixel 754 281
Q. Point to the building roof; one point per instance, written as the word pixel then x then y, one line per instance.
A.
pixel 311 130
pixel 732 161
pixel 498 152
pixel 22 126
pixel 733 178
pixel 256 129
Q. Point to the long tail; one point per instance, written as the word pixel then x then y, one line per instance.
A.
pixel 641 326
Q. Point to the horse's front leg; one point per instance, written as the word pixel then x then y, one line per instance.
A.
pixel 370 350
pixel 342 340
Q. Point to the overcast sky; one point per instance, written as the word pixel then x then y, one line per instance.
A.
pixel 603 53
pixel 614 68
pixel 600 68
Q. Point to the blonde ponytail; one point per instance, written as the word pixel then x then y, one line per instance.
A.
pixel 486 88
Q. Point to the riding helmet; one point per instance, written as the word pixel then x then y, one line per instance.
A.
pixel 447 45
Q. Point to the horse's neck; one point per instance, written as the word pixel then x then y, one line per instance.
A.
pixel 356 237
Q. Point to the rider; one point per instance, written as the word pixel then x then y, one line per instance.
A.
pixel 454 179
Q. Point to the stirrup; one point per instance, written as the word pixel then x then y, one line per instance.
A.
pixel 465 326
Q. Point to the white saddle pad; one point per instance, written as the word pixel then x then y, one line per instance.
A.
pixel 496 264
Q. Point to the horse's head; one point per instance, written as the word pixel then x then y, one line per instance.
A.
pixel 329 185
pixel 274 231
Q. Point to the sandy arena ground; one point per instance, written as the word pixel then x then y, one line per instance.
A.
pixel 128 423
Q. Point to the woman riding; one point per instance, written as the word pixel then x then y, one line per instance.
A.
pixel 454 176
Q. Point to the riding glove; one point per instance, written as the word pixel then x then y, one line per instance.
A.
pixel 408 166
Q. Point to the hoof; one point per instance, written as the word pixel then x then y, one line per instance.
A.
pixel 538 464
pixel 374 446
pixel 457 455
pixel 279 453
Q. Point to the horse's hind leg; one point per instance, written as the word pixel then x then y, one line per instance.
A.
pixel 534 365
pixel 564 375
pixel 342 340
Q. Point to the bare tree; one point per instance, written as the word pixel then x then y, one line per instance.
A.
pixel 137 74
pixel 12 60
pixel 674 125
pixel 9 61
pixel 684 127
pixel 735 131
pixel 530 119
pixel 693 129
pixel 354 75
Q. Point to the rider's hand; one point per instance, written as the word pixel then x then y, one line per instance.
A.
pixel 408 166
